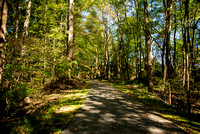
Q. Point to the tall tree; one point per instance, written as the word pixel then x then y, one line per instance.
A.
pixel 17 19
pixel 168 11
pixel 27 18
pixel 186 43
pixel 149 47
pixel 70 35
pixel 3 31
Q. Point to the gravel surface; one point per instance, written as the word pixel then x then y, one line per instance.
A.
pixel 109 111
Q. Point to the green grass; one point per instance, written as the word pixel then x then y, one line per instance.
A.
pixel 138 91
pixel 51 113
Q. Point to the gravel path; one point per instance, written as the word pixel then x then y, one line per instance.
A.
pixel 108 111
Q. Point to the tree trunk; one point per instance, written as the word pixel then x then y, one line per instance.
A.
pixel 70 35
pixel 27 17
pixel 66 34
pixel 1 7
pixel 3 31
pixel 45 37
pixel 174 56
pixel 17 19
pixel 140 75
pixel 97 64
pixel 108 56
pixel 54 57
pixel 186 43
pixel 149 47
pixel 168 10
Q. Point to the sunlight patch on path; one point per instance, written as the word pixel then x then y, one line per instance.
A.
pixel 109 111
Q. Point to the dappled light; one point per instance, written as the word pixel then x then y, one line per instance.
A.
pixel 99 66
pixel 108 110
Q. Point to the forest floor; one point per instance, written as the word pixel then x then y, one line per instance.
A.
pixel 47 110
pixel 108 110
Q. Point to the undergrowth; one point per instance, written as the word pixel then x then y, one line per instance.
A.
pixel 48 110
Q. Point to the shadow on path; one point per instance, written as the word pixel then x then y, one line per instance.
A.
pixel 107 110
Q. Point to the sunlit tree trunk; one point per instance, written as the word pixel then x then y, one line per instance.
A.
pixel 70 35
pixel 3 31
pixel 17 19
pixel 27 18
pixel 149 47
pixel 108 57
pixel 97 63
pixel 66 35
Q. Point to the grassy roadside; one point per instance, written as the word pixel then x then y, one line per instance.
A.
pixel 49 110
pixel 137 91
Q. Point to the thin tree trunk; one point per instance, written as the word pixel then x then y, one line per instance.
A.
pixel 108 56
pixel 3 31
pixel 66 34
pixel 174 56
pixel 45 37
pixel 54 57
pixel 97 64
pixel 140 75
pixel 1 7
pixel 27 17
pixel 17 19
pixel 192 50
pixel 70 36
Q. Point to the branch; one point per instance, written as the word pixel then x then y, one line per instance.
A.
pixel 157 42
pixel 197 21
pixel 158 32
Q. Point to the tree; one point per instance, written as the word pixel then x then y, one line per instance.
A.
pixel 149 47
pixel 27 17
pixel 70 35
pixel 17 20
pixel 3 22
pixel 186 43
pixel 168 10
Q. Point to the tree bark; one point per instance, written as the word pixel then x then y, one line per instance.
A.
pixel 17 19
pixel 70 34
pixel 27 17
pixel 174 56
pixel 186 43
pixel 149 47
pixel 1 7
pixel 66 34
pixel 3 31
pixel 168 10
